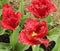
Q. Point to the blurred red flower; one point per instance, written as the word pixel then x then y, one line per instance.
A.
pixel 34 32
pixel 10 19
pixel 41 8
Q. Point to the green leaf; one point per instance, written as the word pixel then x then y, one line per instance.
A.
pixel 14 37
pixel 57 46
pixel 23 19
pixel 0 4
pixel 49 21
pixel 2 31
pixel 21 7
pixel 35 47
pixel 40 49
pixel 54 31
pixel 21 47
pixel 5 1
pixel 0 13
pixel 5 47
pixel 54 34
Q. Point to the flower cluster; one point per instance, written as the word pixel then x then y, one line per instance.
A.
pixel 34 31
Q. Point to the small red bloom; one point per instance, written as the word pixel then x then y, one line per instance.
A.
pixel 41 8
pixel 33 32
pixel 10 19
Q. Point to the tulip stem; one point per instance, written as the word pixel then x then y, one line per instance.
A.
pixel 35 48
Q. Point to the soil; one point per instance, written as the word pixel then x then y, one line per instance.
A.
pixel 4 38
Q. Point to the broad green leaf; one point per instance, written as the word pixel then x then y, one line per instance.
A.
pixel 21 7
pixel 5 47
pixel 54 31
pixel 57 46
pixel 0 13
pixel 5 1
pixel 4 50
pixel 35 48
pixel 40 49
pixel 14 37
pixel 0 4
pixel 49 21
pixel 23 19
pixel 54 34
pixel 2 31
pixel 21 47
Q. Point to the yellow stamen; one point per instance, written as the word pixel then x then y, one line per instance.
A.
pixel 34 34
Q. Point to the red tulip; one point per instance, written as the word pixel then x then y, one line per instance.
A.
pixel 33 32
pixel 10 19
pixel 41 8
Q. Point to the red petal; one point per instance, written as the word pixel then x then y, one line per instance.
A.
pixel 23 38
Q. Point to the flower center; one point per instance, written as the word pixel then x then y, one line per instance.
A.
pixel 32 35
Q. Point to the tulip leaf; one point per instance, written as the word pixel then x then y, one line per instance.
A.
pixel 21 47
pixel 0 4
pixel 5 1
pixel 57 46
pixel 5 47
pixel 14 37
pixel 54 33
pixel 22 20
pixel 41 49
pixel 35 47
pixel 0 13
pixel 21 7
pixel 2 31
pixel 49 21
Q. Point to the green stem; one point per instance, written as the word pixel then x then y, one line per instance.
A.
pixel 21 7
pixel 35 48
